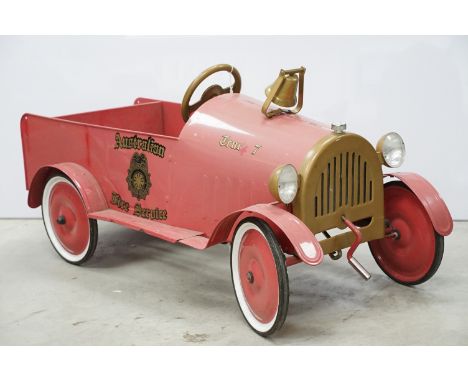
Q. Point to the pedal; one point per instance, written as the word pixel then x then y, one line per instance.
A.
pixel 354 263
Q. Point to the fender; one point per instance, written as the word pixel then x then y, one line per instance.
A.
pixel 430 199
pixel 303 241
pixel 87 185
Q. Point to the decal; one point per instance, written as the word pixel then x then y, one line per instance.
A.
pixel 257 147
pixel 119 202
pixel 147 213
pixel 226 141
pixel 138 178
pixel 137 143
pixel 138 209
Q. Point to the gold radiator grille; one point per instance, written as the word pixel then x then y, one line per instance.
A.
pixel 341 176
pixel 344 182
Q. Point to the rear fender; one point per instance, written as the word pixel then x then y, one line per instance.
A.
pixel 283 223
pixel 87 185
pixel 430 199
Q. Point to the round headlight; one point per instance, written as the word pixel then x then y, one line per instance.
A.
pixel 392 149
pixel 284 183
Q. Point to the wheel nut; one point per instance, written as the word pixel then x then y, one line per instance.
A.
pixel 250 277
pixel 61 220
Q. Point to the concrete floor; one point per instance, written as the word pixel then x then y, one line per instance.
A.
pixel 138 290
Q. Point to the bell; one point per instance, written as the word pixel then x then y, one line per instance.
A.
pixel 286 94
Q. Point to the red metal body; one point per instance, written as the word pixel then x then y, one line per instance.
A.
pixel 205 175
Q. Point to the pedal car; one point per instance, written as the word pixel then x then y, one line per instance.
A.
pixel 231 169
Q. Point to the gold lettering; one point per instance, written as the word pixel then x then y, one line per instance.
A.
pixel 257 147
pixel 226 141
pixel 117 141
pixel 137 143
pixel 150 214
pixel 223 141
pixel 117 200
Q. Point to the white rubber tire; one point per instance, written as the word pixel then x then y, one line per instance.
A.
pixel 259 327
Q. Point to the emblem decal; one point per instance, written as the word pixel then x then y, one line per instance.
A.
pixel 138 178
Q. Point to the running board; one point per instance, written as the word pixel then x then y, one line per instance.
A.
pixel 153 228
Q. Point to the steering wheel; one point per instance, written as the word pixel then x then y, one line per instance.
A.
pixel 210 92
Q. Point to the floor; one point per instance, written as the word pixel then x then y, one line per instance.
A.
pixel 138 290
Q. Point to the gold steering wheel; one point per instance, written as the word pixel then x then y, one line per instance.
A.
pixel 210 92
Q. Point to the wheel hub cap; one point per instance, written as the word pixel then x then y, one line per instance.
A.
pixel 260 281
pixel 68 218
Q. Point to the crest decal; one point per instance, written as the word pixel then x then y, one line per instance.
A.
pixel 138 178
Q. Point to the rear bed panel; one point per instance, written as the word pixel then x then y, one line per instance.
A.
pixel 147 118
pixel 48 141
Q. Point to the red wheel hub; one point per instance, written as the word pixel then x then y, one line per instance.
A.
pixel 68 218
pixel 258 276
pixel 408 256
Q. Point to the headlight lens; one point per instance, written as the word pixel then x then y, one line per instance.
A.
pixel 284 183
pixel 392 149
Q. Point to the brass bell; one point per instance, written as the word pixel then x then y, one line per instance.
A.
pixel 286 96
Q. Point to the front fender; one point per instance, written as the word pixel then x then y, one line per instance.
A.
pixel 304 242
pixel 430 199
pixel 87 185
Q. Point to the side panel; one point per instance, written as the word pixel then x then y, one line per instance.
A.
pixel 282 222
pixel 431 200
pixel 228 150
pixel 83 148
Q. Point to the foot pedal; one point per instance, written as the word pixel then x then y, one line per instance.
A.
pixel 359 268
pixel 354 263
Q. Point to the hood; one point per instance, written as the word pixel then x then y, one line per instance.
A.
pixel 235 122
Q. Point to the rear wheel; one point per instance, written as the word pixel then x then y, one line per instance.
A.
pixel 259 276
pixel 414 252
pixel 71 233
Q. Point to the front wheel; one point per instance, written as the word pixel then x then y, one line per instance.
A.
pixel 71 233
pixel 259 276
pixel 414 252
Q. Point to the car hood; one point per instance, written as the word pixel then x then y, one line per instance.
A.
pixel 235 122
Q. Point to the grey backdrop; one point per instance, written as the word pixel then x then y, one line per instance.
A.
pixel 417 86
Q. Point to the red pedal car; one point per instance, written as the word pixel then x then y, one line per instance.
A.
pixel 231 169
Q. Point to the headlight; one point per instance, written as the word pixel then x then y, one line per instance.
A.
pixel 391 148
pixel 284 183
